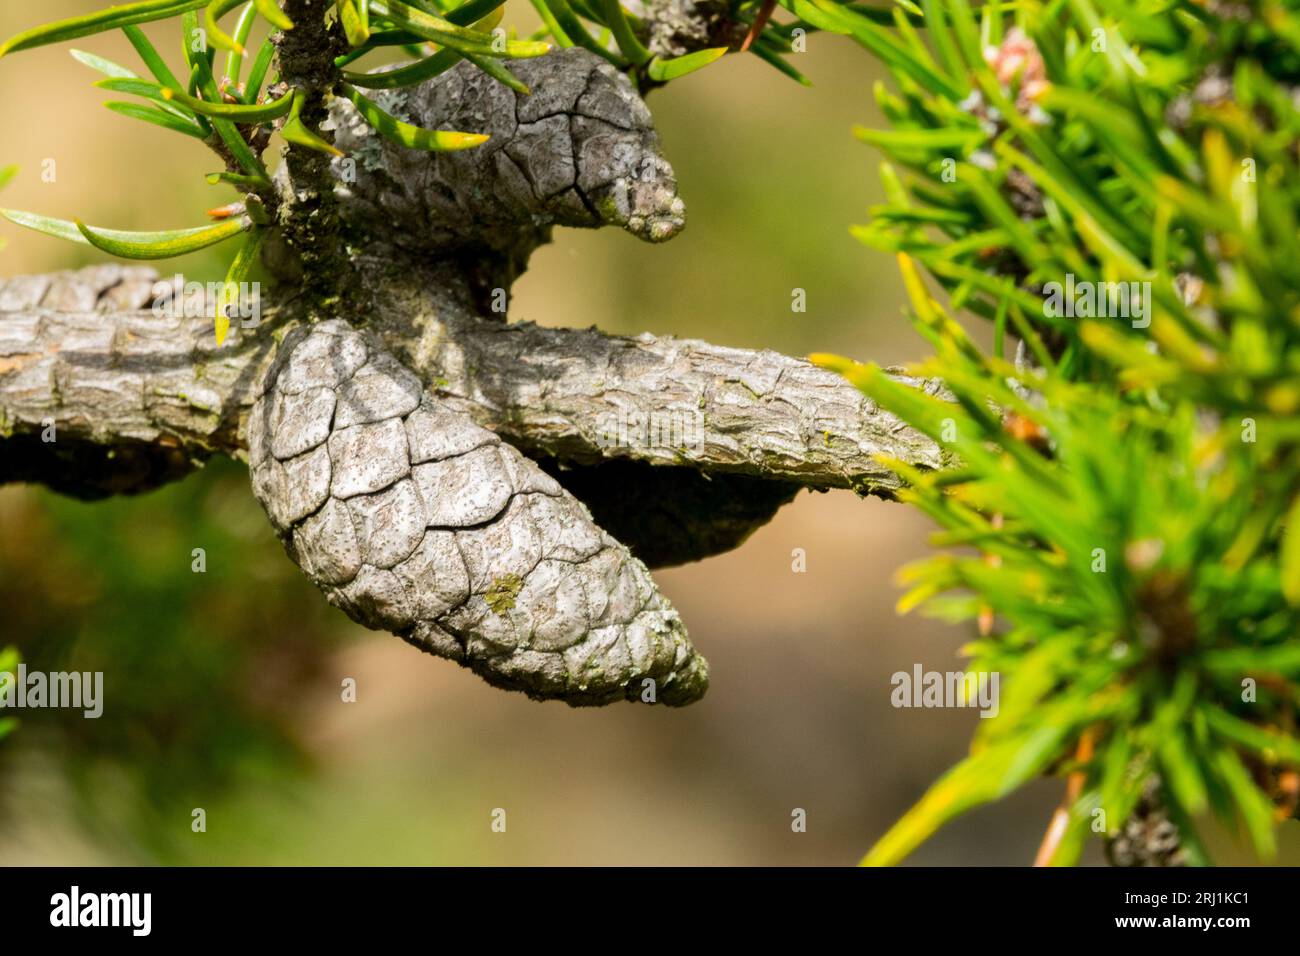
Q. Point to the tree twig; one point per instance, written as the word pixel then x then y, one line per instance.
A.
pixel 78 353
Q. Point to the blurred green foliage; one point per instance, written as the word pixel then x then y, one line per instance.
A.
pixel 204 671
pixel 8 666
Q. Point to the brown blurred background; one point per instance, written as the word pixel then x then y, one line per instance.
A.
pixel 223 689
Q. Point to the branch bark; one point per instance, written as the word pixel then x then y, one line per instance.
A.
pixel 436 238
pixel 81 352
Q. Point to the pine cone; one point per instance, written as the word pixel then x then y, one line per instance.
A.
pixel 414 519
pixel 1149 836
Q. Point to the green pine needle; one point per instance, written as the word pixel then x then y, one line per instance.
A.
pixel 100 22
pixel 404 134
pixel 661 70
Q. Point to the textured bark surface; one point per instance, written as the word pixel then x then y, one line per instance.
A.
pixel 306 208
pixel 677 27
pixel 580 150
pixel 102 397
pixel 573 394
pixel 414 519
pixel 77 350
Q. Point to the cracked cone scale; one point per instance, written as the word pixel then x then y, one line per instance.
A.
pixel 413 519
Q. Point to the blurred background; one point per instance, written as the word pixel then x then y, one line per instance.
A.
pixel 223 689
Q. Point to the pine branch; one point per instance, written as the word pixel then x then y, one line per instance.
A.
pixel 98 396
pixel 137 399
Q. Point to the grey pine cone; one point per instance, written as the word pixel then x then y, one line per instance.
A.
pixel 414 519
pixel 1149 837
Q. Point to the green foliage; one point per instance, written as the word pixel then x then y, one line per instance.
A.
pixel 100 22
pixel 451 36
pixel 6 174
pixel 661 70
pixel 8 671
pixel 270 11
pixel 132 245
pixel 198 702
pixel 356 21
pixel 298 133
pixel 616 18
pixel 245 262
pixel 1123 520
pixel 213 13
pixel 417 72
pixel 411 137
pixel 235 112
